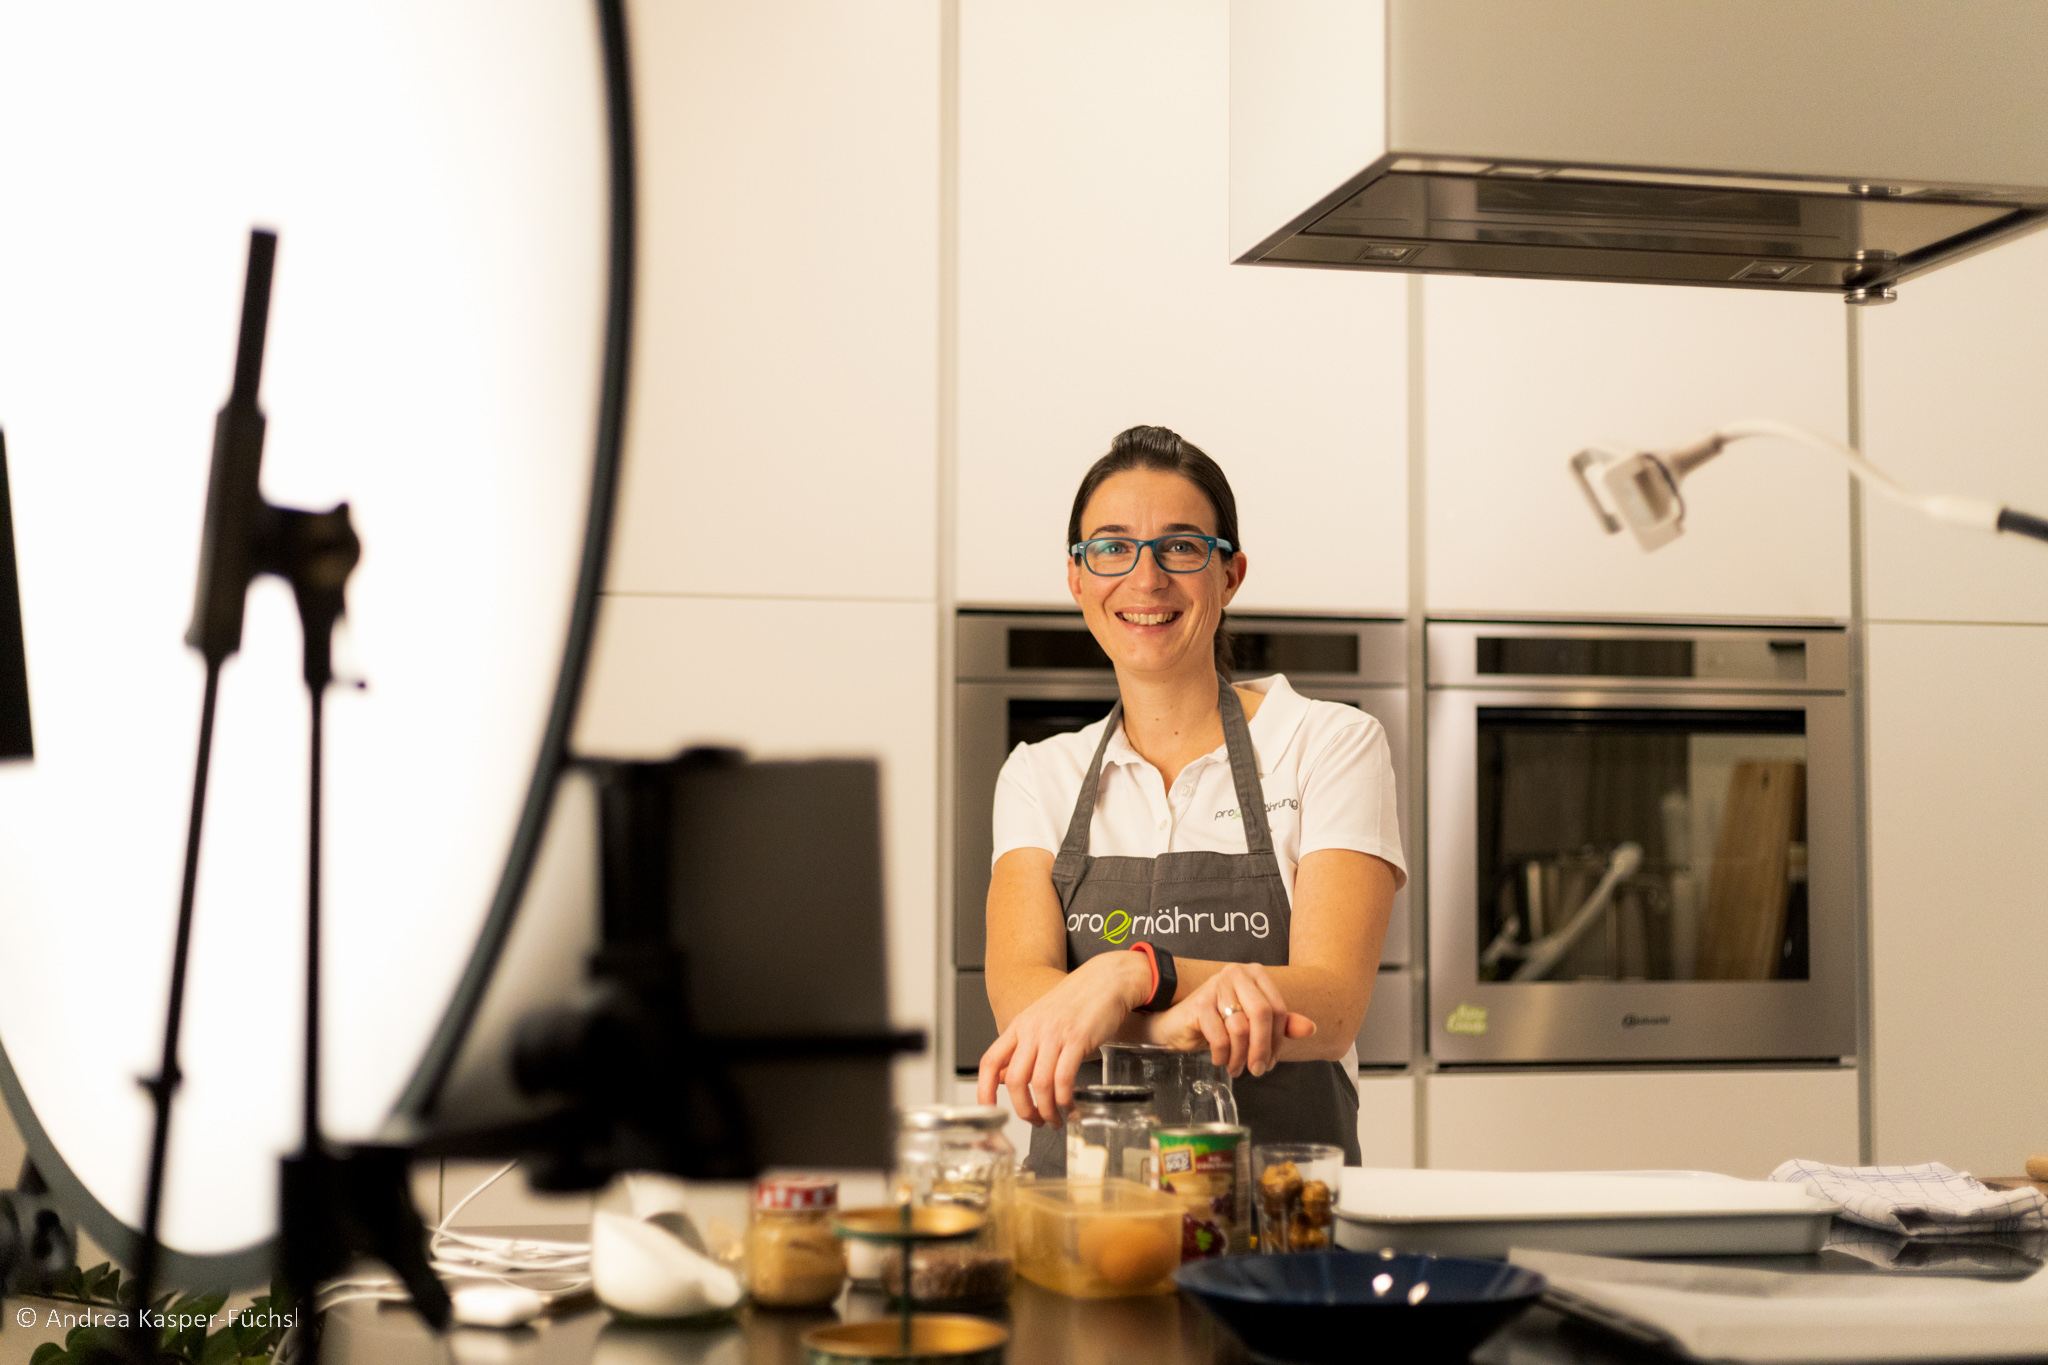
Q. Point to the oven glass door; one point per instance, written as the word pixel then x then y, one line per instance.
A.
pixel 1641 844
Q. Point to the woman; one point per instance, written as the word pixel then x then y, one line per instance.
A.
pixel 1209 866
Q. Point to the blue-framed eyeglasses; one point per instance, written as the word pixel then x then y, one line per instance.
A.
pixel 1115 556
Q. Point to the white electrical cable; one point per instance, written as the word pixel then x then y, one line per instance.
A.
pixel 554 1270
pixel 1961 511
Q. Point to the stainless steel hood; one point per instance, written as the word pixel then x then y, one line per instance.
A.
pixel 1838 146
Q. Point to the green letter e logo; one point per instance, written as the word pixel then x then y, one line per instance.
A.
pixel 1116 928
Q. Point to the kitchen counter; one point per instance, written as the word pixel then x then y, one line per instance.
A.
pixel 1044 1327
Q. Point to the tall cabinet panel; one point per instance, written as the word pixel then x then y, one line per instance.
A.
pixel 1958 743
pixel 1958 649
pixel 1095 294
pixel 1954 403
pixel 1521 374
pixel 795 679
pixel 782 435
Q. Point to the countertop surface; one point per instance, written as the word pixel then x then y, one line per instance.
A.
pixel 1044 1327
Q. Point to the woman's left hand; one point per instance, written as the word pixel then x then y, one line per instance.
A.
pixel 1238 1014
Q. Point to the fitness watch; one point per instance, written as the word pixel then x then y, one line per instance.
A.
pixel 1165 981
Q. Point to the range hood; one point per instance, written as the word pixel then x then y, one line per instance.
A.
pixel 1835 146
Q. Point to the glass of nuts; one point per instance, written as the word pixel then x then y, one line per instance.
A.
pixel 1294 1189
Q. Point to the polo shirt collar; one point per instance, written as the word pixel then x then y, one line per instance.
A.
pixel 1271 729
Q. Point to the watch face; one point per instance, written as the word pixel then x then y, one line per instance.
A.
pixel 435 181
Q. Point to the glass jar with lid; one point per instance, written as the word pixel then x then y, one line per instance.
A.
pixel 793 1258
pixel 957 1156
pixel 1109 1132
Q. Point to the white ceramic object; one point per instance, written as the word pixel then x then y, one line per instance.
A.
pixel 646 1271
pixel 1484 1213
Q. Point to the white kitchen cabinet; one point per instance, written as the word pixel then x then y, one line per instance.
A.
pixel 1095 294
pixel 1386 1121
pixel 1522 374
pixel 795 679
pixel 1742 1123
pixel 1958 745
pixel 1954 403
pixel 782 435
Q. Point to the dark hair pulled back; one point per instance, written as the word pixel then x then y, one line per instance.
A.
pixel 1169 452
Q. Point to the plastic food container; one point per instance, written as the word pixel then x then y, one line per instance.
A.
pixel 1097 1239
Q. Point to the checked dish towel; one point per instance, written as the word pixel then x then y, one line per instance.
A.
pixel 1920 1201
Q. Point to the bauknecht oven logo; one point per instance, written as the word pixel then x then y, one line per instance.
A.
pixel 1643 1020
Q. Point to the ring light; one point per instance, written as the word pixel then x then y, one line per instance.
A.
pixel 436 176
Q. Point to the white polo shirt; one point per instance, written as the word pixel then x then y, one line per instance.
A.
pixel 1325 768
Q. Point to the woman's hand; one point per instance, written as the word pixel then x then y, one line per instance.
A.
pixel 1044 1046
pixel 1238 1014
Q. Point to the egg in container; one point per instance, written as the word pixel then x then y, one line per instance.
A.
pixel 1097 1239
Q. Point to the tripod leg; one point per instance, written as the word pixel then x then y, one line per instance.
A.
pixel 377 1187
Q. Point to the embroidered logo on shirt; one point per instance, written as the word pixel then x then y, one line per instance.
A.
pixel 1271 806
pixel 1117 925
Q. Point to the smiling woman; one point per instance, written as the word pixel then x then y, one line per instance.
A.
pixel 1238 841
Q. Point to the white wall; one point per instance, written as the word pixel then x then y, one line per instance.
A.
pixel 1958 740
pixel 1096 294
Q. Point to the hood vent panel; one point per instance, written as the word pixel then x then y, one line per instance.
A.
pixel 1585 223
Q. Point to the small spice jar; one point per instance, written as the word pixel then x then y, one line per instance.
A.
pixel 956 1155
pixel 1109 1133
pixel 793 1260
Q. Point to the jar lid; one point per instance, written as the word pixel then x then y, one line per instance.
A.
pixel 933 1116
pixel 1113 1094
pixel 796 1192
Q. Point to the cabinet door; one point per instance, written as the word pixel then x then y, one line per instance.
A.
pixel 1958 742
pixel 795 679
pixel 1522 374
pixel 1095 294
pixel 1741 1123
pixel 1386 1121
pixel 1953 403
pixel 783 433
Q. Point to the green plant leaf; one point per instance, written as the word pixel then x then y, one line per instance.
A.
pixel 49 1353
pixel 95 1280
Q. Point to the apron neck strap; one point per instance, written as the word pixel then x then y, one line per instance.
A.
pixel 1244 774
pixel 1244 769
pixel 1076 843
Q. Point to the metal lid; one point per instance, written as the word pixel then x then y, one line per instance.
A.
pixel 929 1117
pixel 1113 1094
pixel 796 1192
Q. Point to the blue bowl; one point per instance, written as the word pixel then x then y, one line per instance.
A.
pixel 1319 1306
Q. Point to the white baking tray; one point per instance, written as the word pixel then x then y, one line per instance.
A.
pixel 1604 1213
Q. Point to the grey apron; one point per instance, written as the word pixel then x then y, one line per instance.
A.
pixel 1223 907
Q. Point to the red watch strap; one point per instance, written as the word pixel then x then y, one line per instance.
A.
pixel 1151 961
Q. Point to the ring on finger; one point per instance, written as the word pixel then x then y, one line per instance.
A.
pixel 1229 1010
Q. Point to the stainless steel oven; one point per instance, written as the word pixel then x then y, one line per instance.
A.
pixel 1641 844
pixel 1024 676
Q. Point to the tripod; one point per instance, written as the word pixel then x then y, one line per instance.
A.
pixel 336 1202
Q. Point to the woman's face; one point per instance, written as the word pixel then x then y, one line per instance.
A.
pixel 1150 621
